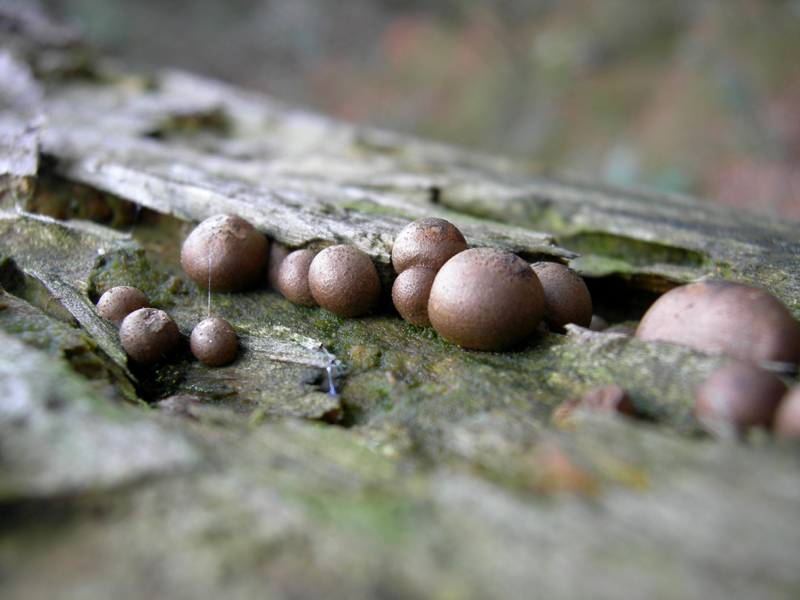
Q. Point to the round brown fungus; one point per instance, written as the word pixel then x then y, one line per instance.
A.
pixel 428 242
pixel 738 396
pixel 225 253
pixel 213 342
pixel 724 317
pixel 118 302
pixel 410 294
pixel 148 335
pixel 293 277
pixel 486 299
pixel 567 299
pixel 344 281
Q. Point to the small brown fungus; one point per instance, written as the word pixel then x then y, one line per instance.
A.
pixel 344 281
pixel 787 417
pixel 428 242
pixel 213 342
pixel 148 335
pixel 567 299
pixel 293 277
pixel 410 294
pixel 724 317
pixel 609 399
pixel 598 323
pixel 179 405
pixel 486 299
pixel 118 302
pixel 737 397
pixel 277 252
pixel 225 253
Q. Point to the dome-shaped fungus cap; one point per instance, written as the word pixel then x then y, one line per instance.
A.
pixel 344 281
pixel 486 299
pixel 567 299
pixel 429 242
pixel 213 342
pixel 787 416
pixel 148 334
pixel 293 277
pixel 235 251
pixel 118 302
pixel 410 294
pixel 738 396
pixel 723 317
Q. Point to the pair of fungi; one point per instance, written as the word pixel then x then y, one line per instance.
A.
pixel 341 279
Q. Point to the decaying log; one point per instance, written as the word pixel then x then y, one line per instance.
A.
pixel 426 470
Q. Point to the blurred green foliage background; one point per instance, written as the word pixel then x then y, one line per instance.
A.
pixel 700 96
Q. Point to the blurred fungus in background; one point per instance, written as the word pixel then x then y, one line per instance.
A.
pixel 695 97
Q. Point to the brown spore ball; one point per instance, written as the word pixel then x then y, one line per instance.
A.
pixel 179 405
pixel 429 242
pixel 598 323
pixel 738 396
pixel 609 399
pixel 118 302
pixel 344 281
pixel 277 252
pixel 486 299
pixel 148 335
pixel 787 417
pixel 213 342
pixel 225 253
pixel 293 277
pixel 410 294
pixel 724 317
pixel 567 299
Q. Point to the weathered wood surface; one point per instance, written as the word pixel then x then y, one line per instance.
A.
pixel 435 471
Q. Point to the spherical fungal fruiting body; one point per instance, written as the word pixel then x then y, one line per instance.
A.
pixel 213 342
pixel 293 277
pixel 486 299
pixel 148 334
pixel 738 396
pixel 118 302
pixel 723 317
pixel 429 242
pixel 410 294
pixel 567 299
pixel 344 281
pixel 225 253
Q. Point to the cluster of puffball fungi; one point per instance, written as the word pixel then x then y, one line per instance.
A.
pixel 480 298
pixel 756 331
pixel 483 299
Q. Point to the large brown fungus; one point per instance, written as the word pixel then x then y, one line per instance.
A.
pixel 724 317
pixel 486 299
pixel 225 253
